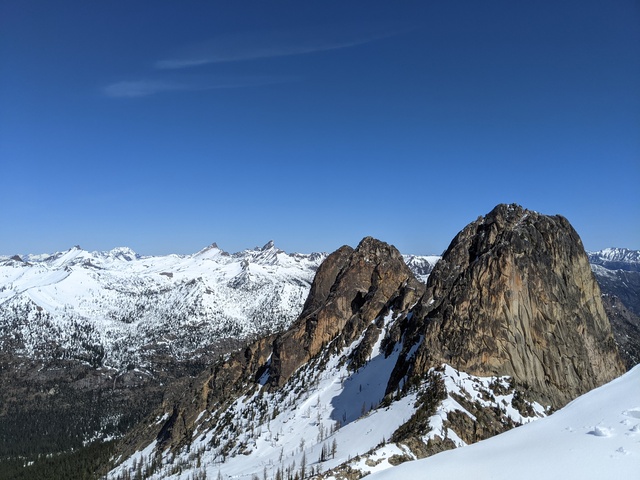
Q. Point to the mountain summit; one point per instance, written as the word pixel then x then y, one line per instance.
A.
pixel 350 290
pixel 514 295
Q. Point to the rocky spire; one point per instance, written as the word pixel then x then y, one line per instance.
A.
pixel 350 290
pixel 514 295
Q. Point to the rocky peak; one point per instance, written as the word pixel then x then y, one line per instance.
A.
pixel 350 290
pixel 514 295
pixel 267 246
pixel 265 255
pixel 122 253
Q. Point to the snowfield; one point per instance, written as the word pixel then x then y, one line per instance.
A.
pixel 594 437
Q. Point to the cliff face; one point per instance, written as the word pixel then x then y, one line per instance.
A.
pixel 351 289
pixel 514 295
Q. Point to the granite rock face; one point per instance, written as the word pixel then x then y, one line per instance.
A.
pixel 514 295
pixel 351 289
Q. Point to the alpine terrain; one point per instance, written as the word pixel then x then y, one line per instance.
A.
pixel 380 369
pixel 89 341
pixel 617 271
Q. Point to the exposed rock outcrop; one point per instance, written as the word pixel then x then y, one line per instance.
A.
pixel 514 295
pixel 351 289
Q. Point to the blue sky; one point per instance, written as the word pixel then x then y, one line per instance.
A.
pixel 166 126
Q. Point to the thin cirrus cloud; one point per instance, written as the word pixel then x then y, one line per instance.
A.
pixel 140 88
pixel 242 47
pixel 257 45
pixel 148 87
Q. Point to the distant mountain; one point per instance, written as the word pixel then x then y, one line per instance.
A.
pixel 421 265
pixel 616 259
pixel 618 273
pixel 117 308
pixel 89 340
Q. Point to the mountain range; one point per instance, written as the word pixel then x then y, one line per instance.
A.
pixel 262 363
pixel 117 308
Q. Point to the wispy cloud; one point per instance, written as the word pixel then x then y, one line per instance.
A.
pixel 147 87
pixel 255 45
pixel 140 88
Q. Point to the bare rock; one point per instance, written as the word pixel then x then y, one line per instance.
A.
pixel 351 289
pixel 514 295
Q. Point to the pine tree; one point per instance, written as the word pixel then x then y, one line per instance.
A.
pixel 303 465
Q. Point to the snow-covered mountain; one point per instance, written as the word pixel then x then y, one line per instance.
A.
pixel 372 370
pixel 616 259
pixel 421 265
pixel 618 273
pixel 116 308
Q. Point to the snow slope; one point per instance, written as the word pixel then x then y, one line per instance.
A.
pixel 596 436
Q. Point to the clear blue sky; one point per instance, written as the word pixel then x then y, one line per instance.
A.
pixel 166 126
